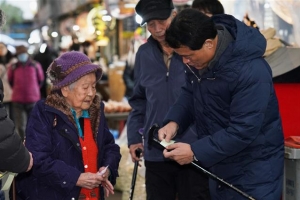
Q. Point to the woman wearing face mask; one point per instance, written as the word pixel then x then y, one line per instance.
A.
pixel 25 78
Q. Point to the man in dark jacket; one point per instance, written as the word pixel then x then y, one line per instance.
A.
pixel 159 75
pixel 230 95
pixel 13 154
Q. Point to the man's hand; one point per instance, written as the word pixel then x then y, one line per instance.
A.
pixel 168 131
pixel 180 152
pixel 132 149
pixel 30 162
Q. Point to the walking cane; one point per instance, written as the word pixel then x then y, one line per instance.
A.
pixel 152 138
pixel 136 165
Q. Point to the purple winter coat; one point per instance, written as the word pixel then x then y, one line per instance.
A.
pixel 56 150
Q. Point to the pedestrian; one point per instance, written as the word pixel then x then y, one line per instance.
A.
pixel 69 138
pixel 14 156
pixel 159 75
pixel 25 77
pixel 230 96
pixel 2 18
pixel 128 75
pixel 208 7
pixel 6 59
pixel 45 56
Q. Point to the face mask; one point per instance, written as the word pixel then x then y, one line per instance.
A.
pixel 23 57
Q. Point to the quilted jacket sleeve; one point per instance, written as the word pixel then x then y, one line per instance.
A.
pixel 14 156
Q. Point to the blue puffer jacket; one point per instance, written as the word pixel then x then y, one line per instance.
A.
pixel 235 106
pixel 52 138
pixel 155 91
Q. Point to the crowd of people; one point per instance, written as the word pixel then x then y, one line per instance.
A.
pixel 197 77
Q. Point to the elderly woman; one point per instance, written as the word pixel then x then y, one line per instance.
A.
pixel 69 138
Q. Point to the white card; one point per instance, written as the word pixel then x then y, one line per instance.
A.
pixel 164 143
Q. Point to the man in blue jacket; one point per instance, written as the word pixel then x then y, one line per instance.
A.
pixel 159 75
pixel 230 96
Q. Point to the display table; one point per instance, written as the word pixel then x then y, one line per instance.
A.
pixel 117 120
pixel 117 116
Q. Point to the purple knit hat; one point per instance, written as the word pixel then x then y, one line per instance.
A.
pixel 70 67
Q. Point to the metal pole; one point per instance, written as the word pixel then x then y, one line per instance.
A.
pixel 222 181
pixel 151 138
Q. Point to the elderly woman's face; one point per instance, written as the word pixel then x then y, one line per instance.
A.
pixel 80 95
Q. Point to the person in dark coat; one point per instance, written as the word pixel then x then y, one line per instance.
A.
pixel 6 59
pixel 208 7
pixel 69 138
pixel 159 76
pixel 14 156
pixel 2 18
pixel 230 96
pixel 128 75
pixel 45 56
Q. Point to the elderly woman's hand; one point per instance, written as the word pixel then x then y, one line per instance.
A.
pixel 108 187
pixel 89 180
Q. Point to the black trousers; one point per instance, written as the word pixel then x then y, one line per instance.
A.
pixel 171 181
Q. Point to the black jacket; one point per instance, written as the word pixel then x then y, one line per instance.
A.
pixel 14 157
pixel 128 77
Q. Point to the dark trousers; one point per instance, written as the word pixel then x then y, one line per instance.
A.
pixel 171 181
pixel 21 114
pixel 9 110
